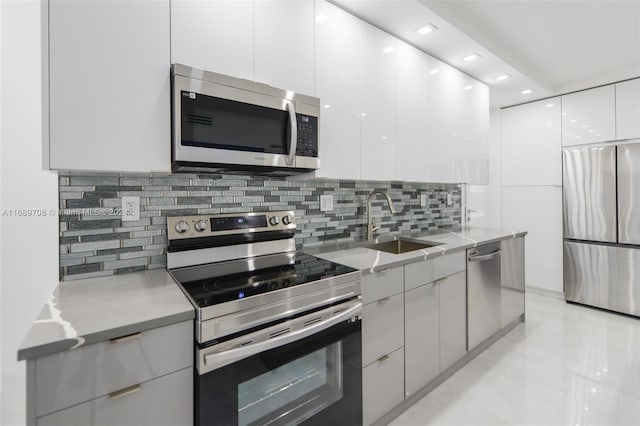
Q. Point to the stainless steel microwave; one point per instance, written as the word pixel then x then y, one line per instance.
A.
pixel 226 124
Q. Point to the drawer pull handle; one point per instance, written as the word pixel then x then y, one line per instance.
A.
pixel 124 392
pixel 440 280
pixel 386 299
pixel 383 358
pixel 382 271
pixel 125 338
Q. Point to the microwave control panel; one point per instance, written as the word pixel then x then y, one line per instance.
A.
pixel 307 136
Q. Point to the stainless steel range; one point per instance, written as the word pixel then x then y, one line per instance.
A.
pixel 278 331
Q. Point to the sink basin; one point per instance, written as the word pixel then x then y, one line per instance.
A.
pixel 401 246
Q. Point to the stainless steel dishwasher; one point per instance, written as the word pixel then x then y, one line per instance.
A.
pixel 483 293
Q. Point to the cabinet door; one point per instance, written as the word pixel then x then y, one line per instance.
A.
pixel 213 35
pixel 382 328
pixel 531 144
pixel 378 96
pixel 284 44
pixel 109 85
pixel 452 292
pixel 412 110
pixel 338 37
pixel 589 116
pixel 382 386
pixel 628 109
pixel 422 331
pixel 537 210
pixel 77 415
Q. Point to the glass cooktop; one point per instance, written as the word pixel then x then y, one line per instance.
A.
pixel 219 289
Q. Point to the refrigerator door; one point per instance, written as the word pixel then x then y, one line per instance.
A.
pixel 589 193
pixel 629 194
pixel 603 276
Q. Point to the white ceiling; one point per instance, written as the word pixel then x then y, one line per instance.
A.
pixel 549 46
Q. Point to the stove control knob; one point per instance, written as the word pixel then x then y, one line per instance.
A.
pixel 286 219
pixel 182 227
pixel 201 225
pixel 273 220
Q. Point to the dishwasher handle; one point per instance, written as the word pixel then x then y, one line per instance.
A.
pixel 484 257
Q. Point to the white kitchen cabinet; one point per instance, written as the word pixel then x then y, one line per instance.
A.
pixel 537 210
pixel 338 75
pixel 628 109
pixel 411 112
pixel 214 35
pixel 382 328
pixel 531 144
pixel 422 334
pixel 589 116
pixel 382 386
pixel 284 44
pixel 108 86
pixel 457 121
pixel 378 105
pixel 452 293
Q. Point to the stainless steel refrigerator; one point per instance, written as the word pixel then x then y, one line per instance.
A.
pixel 601 206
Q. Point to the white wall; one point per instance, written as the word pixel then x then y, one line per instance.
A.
pixel 29 245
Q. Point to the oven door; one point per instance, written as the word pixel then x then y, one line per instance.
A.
pixel 307 370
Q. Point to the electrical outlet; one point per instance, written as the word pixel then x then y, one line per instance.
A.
pixel 326 203
pixel 449 199
pixel 130 208
pixel 423 200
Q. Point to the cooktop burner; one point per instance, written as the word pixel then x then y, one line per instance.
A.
pixel 220 289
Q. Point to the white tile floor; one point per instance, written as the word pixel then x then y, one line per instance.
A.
pixel 567 365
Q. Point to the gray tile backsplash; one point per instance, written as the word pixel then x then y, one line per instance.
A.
pixel 95 242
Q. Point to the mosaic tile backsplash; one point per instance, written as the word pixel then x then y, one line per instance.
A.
pixel 94 241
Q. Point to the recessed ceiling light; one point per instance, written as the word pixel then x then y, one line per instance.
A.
pixel 388 49
pixel 526 91
pixel 321 17
pixel 471 57
pixel 363 114
pixel 502 77
pixel 426 29
pixel 326 106
pixel 468 87
pixel 434 71
pixel 549 105
pixel 384 138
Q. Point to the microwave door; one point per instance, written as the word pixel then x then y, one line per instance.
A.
pixel 629 194
pixel 589 193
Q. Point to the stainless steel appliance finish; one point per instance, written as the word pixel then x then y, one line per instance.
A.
pixel 589 193
pixel 483 293
pixel 629 194
pixel 512 280
pixel 604 276
pixel 299 142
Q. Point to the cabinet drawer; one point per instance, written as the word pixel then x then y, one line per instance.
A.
pixel 450 264
pixel 417 274
pixel 382 284
pixel 382 328
pixel 78 375
pixel 166 400
pixel 382 386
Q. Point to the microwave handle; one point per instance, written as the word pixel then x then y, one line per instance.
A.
pixel 293 143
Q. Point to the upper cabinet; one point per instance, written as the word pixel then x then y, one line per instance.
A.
pixel 214 36
pixel 378 105
pixel 628 109
pixel 589 116
pixel 411 134
pixel 531 144
pixel 284 44
pixel 109 98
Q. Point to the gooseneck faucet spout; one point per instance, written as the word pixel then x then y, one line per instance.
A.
pixel 370 227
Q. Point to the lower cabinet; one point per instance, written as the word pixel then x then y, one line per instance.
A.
pixel 453 319
pixel 382 328
pixel 422 335
pixel 382 385
pixel 166 400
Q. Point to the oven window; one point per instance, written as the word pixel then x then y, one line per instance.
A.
pixel 296 391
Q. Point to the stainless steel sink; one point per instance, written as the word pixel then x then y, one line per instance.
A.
pixel 401 246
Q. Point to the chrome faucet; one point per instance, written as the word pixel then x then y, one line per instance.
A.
pixel 370 228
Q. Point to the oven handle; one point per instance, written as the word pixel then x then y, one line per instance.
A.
pixel 224 357
pixel 293 143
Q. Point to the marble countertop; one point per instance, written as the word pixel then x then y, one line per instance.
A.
pixel 357 255
pixel 92 310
